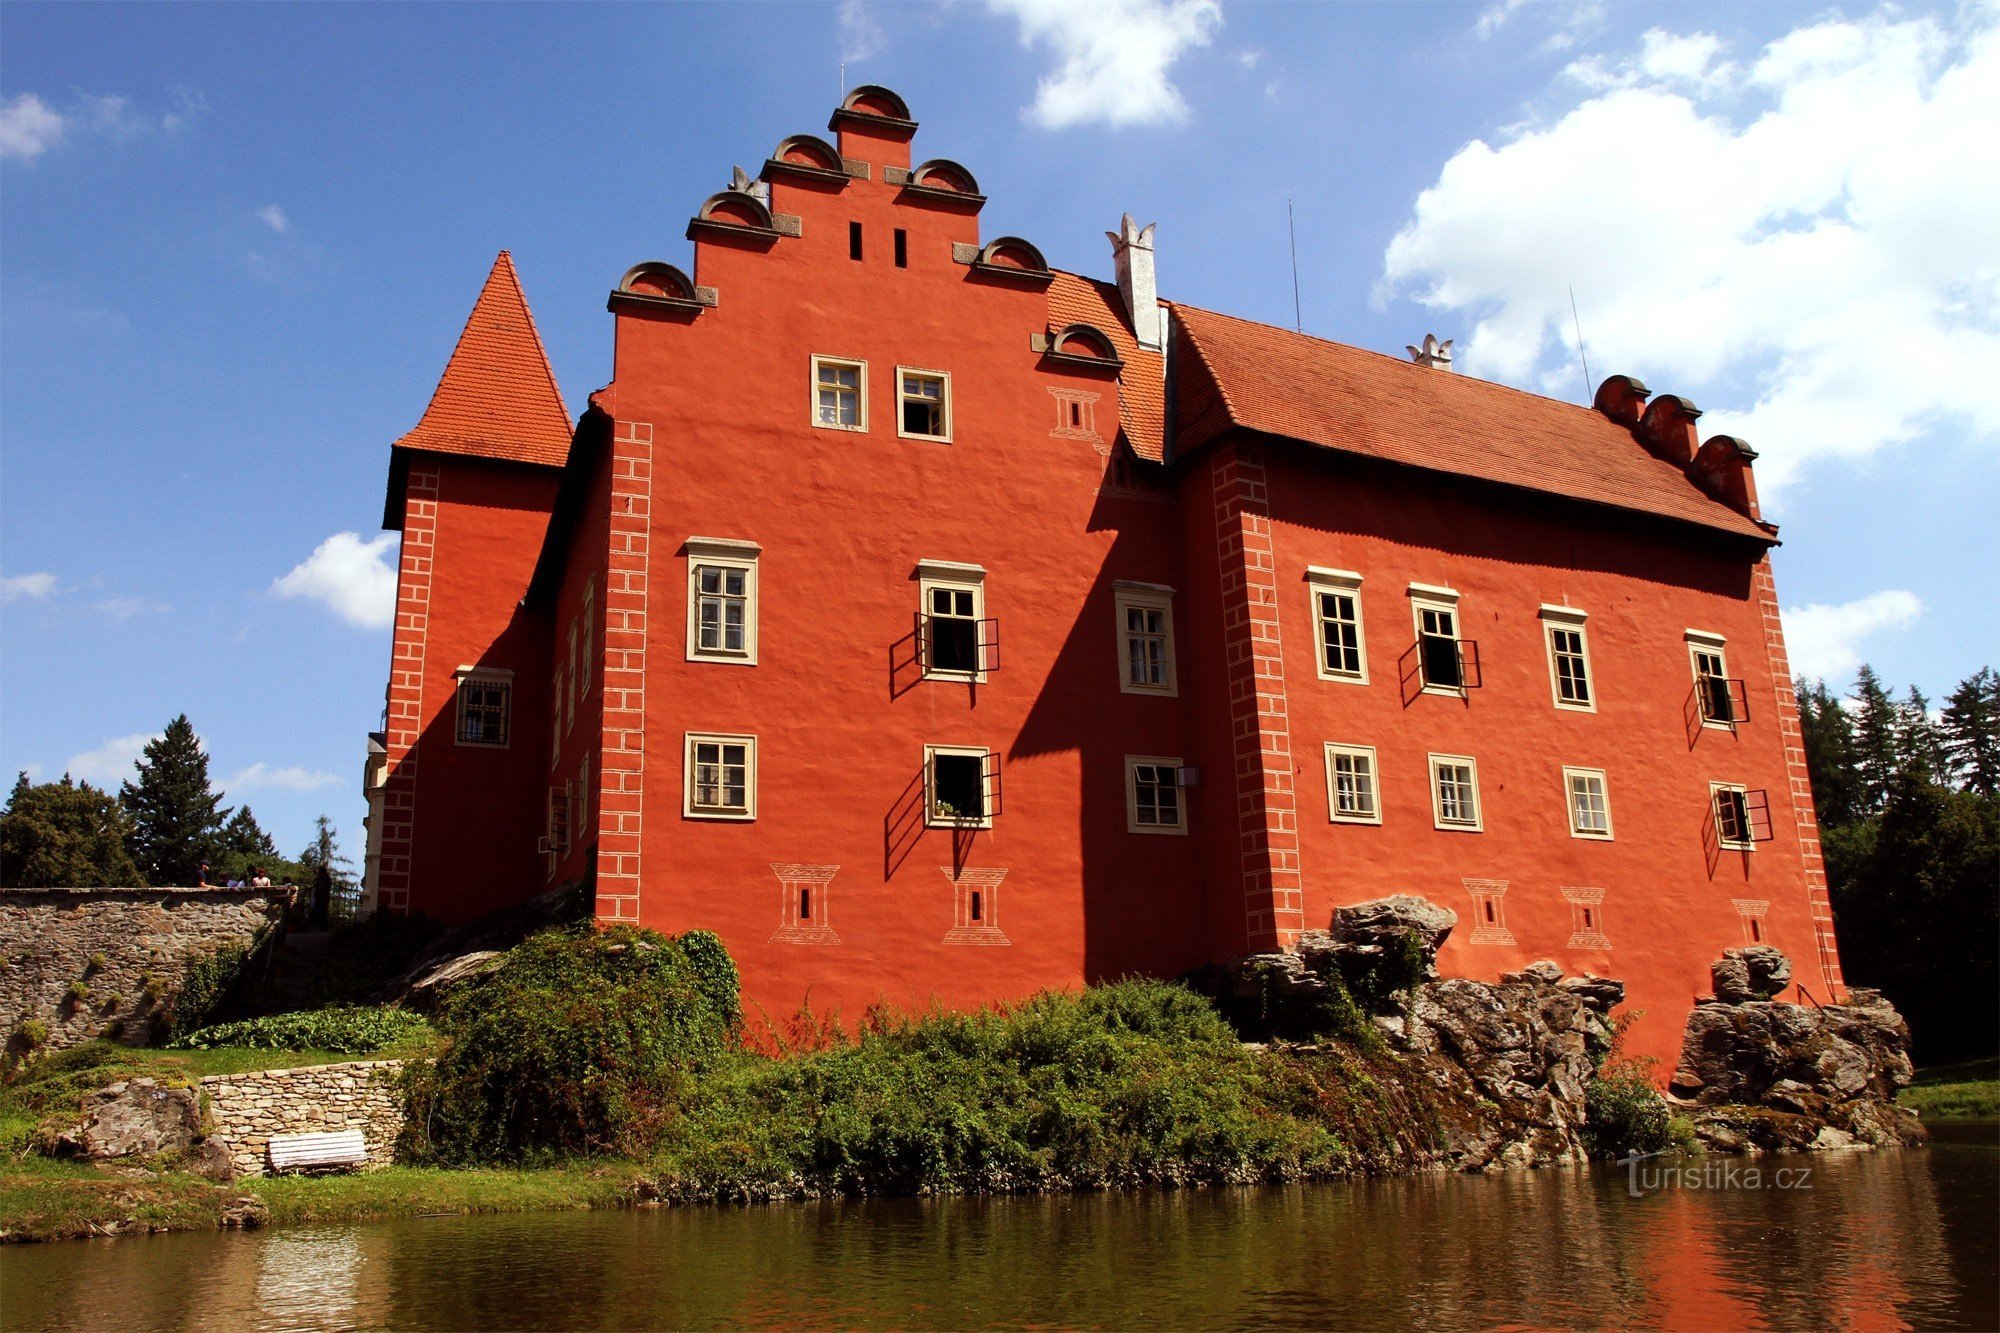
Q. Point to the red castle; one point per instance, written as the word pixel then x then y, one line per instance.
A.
pixel 935 625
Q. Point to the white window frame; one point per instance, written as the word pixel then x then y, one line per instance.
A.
pixel 688 807
pixel 1334 814
pixel 943 377
pixel 861 392
pixel 1749 842
pixel 932 819
pixel 589 633
pixel 1478 822
pixel 958 578
pixel 1430 597
pixel 722 553
pixel 1132 824
pixel 1128 596
pixel 1570 619
pixel 1700 643
pixel 1345 583
pixel 500 676
pixel 1576 830
pixel 575 689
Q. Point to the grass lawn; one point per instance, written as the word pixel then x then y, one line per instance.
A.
pixel 1971 1087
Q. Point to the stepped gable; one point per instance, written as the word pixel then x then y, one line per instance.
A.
pixel 498 397
pixel 1237 373
pixel 1142 385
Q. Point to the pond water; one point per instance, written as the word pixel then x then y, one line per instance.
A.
pixel 1862 1240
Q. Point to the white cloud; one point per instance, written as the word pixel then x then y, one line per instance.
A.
pixel 110 763
pixel 1494 17
pixel 1112 57
pixel 356 578
pixel 1247 60
pixel 1810 241
pixel 860 33
pixel 29 127
pixel 124 608
pixel 34 771
pixel 291 778
pixel 27 587
pixel 1824 641
pixel 272 216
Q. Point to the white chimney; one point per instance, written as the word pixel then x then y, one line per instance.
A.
pixel 1132 251
pixel 1433 353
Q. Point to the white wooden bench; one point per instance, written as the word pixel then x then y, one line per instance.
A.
pixel 342 1150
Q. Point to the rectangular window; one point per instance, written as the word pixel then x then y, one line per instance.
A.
pixel 840 394
pixel 1336 616
pixel 557 840
pixel 575 684
pixel 1441 655
pixel 1589 805
pixel 955 641
pixel 589 631
pixel 1569 658
pixel 1712 686
pixel 1742 816
pixel 902 248
pixel 721 777
pixel 555 716
pixel 854 240
pixel 1455 792
pixel 582 802
pixel 1351 796
pixel 1153 802
pixel 1145 638
pixel 961 786
pixel 923 404
pixel 485 700
pixel 722 600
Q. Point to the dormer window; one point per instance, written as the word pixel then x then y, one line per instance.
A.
pixel 923 399
pixel 840 394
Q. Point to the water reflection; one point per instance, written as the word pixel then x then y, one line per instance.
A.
pixel 1875 1240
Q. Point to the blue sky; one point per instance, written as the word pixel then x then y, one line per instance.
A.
pixel 238 242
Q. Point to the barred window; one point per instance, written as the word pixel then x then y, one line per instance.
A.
pixel 484 705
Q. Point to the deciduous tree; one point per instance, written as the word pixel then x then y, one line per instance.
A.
pixel 64 835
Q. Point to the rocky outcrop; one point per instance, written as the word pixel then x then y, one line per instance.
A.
pixel 1373 928
pixel 1756 973
pixel 1754 1074
pixel 134 1118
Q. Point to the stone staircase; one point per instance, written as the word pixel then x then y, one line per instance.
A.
pixel 294 967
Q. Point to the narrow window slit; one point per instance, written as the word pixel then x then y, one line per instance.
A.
pixel 854 240
pixel 902 248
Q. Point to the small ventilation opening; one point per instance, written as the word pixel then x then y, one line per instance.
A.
pixel 1756 932
pixel 854 240
pixel 977 906
pixel 902 248
pixel 1587 922
pixel 1076 414
pixel 1489 913
pixel 805 904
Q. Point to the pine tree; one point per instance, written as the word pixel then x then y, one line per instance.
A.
pixel 1877 739
pixel 1828 734
pixel 64 835
pixel 244 847
pixel 176 817
pixel 1919 739
pixel 1972 732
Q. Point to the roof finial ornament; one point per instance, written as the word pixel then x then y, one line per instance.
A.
pixel 742 183
pixel 1433 353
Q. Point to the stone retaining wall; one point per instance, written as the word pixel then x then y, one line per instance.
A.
pixel 126 949
pixel 245 1110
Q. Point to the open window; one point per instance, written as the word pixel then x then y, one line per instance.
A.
pixel 961 786
pixel 956 640
pixel 1742 816
pixel 485 706
pixel 721 776
pixel 1569 658
pixel 1352 795
pixel 1145 638
pixel 923 404
pixel 1446 663
pixel 1154 802
pixel 1336 618
pixel 1455 792
pixel 840 394
pixel 1722 701
pixel 1589 803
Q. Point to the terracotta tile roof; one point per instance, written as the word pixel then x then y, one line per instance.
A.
pixel 1142 394
pixel 497 397
pixel 1233 372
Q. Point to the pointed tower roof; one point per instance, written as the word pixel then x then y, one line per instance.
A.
pixel 498 397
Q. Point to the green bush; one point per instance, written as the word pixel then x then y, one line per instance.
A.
pixel 1122 1084
pixel 32 1033
pixel 77 992
pixel 574 1045
pixel 1624 1112
pixel 352 1031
